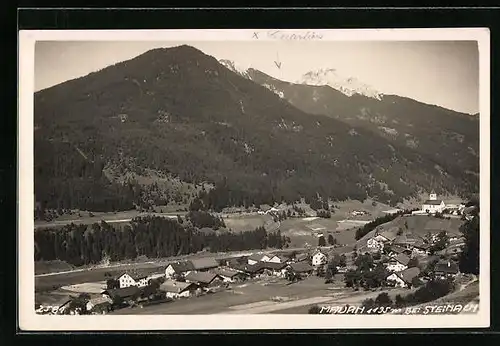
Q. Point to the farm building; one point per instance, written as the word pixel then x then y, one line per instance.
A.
pixel 204 264
pixel 396 250
pixel 175 289
pixel 119 295
pixel 125 280
pixel 203 279
pixel 301 268
pixel 398 263
pixel 278 259
pixel 255 258
pixel 388 235
pixel 99 304
pixel 403 278
pixel 272 268
pixel 178 268
pixel 229 275
pixel 407 240
pixel 446 269
pixel 319 258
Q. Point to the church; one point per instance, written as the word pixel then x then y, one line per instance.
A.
pixel 433 205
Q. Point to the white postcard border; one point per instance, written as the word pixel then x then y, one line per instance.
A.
pixel 30 321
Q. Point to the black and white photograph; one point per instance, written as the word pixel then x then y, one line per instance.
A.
pixel 168 174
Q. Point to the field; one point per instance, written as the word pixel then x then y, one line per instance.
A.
pixel 260 297
pixel 247 222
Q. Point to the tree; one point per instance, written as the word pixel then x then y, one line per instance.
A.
pixel 321 241
pixel 314 310
pixel 383 300
pixel 399 301
pixel 441 243
pixel 112 284
pixel 469 258
pixel 331 270
pixel 342 260
pixel 331 240
pixel 364 262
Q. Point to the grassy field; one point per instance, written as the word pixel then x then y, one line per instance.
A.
pixel 257 297
pixel 247 222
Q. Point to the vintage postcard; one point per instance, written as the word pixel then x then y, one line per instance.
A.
pixel 279 179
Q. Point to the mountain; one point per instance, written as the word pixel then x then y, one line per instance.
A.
pixel 450 139
pixel 347 85
pixel 180 113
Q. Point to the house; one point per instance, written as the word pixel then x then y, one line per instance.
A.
pixel 203 279
pixel 445 269
pixel 407 240
pixel 119 295
pixel 398 263
pixel 141 281
pixel 99 304
pixel 301 268
pixel 396 250
pixel 420 249
pixel 433 205
pixel 253 270
pixel 178 268
pixel 273 268
pixel 319 258
pixel 175 289
pixel 255 258
pixel 387 235
pixel 204 264
pixel 278 259
pixel 229 275
pixel 403 278
pixel 375 244
pixel 125 280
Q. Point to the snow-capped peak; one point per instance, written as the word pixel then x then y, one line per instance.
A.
pixel 236 68
pixel 346 85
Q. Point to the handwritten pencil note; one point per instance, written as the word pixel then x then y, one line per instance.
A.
pixel 287 36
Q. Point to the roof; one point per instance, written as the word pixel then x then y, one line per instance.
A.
pixel 252 268
pixel 432 202
pixel 204 263
pixel 446 266
pixel 122 292
pixel 409 274
pixel 397 249
pixel 256 257
pixel 181 267
pixel 390 234
pixel 265 207
pixel 202 277
pixel 175 286
pixel 229 273
pixel 402 258
pixel 302 257
pixel 406 238
pixel 273 265
pixel 99 300
pixel 301 267
pixel 422 245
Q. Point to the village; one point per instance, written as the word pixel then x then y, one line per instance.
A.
pixel 415 247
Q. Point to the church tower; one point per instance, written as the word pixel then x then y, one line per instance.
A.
pixel 433 196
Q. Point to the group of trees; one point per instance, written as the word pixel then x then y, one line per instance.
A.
pixel 469 258
pixel 432 290
pixel 331 240
pixel 203 219
pixel 367 275
pixel 148 236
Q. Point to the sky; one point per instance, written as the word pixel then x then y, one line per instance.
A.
pixel 444 73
